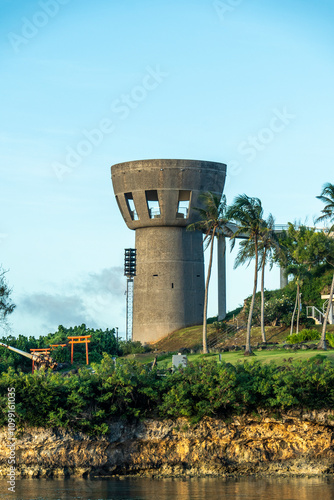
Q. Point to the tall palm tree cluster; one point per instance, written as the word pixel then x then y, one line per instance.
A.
pixel 244 219
pixel 213 224
pixel 327 215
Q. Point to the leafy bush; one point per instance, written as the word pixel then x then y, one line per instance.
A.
pixel 100 342
pixel 125 389
pixel 304 335
pixel 132 347
pixel 278 307
pixel 330 339
pixel 279 304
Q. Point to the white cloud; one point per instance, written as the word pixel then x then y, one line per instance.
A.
pixel 96 300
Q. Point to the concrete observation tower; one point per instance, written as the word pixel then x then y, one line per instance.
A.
pixel 156 199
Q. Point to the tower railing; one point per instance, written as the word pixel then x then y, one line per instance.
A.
pixel 182 213
pixel 155 213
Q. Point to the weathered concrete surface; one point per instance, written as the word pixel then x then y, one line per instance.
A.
pixel 165 250
pixel 168 177
pixel 288 446
pixel 169 286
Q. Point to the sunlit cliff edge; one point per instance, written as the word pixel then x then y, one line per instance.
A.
pixel 298 443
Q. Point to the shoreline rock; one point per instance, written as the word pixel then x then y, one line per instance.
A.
pixel 295 444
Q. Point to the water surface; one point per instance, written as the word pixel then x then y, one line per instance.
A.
pixel 171 489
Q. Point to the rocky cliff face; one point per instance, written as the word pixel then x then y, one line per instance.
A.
pixel 293 444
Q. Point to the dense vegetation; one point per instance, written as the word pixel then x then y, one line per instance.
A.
pixel 279 304
pixel 306 254
pixel 307 335
pixel 101 341
pixel 119 388
pixel 89 400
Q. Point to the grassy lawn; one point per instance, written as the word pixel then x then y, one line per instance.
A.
pixel 278 356
pixel 191 337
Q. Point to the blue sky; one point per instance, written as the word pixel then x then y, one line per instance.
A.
pixel 247 83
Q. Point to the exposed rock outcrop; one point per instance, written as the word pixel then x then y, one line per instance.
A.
pixel 292 444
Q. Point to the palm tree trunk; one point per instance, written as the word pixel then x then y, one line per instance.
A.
pixel 322 343
pixel 263 332
pixel 294 312
pixel 205 333
pixel 298 312
pixel 248 350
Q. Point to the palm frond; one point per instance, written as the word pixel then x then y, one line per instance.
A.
pixel 327 197
pixel 212 215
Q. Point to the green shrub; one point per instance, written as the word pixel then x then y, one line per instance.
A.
pixel 100 342
pixel 132 347
pixel 89 401
pixel 304 335
pixel 330 339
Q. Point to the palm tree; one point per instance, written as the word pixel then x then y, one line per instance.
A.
pixel 247 213
pixel 213 222
pixel 268 242
pixel 327 197
pixel 268 245
pixel 300 272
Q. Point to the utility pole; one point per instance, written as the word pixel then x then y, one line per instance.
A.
pixel 129 272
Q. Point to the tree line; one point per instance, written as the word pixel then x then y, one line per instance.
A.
pixel 297 250
pixel 101 341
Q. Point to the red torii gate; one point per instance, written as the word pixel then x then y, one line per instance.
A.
pixel 79 339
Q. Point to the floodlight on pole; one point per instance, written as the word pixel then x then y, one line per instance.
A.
pixel 129 272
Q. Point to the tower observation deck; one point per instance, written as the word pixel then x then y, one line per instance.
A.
pixel 157 199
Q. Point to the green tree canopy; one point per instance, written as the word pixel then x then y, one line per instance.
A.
pixel 327 214
pixel 6 305
pixel 304 245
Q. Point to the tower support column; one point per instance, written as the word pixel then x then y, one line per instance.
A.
pixel 283 279
pixel 221 252
pixel 169 284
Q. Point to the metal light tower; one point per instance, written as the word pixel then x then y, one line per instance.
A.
pixel 129 272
